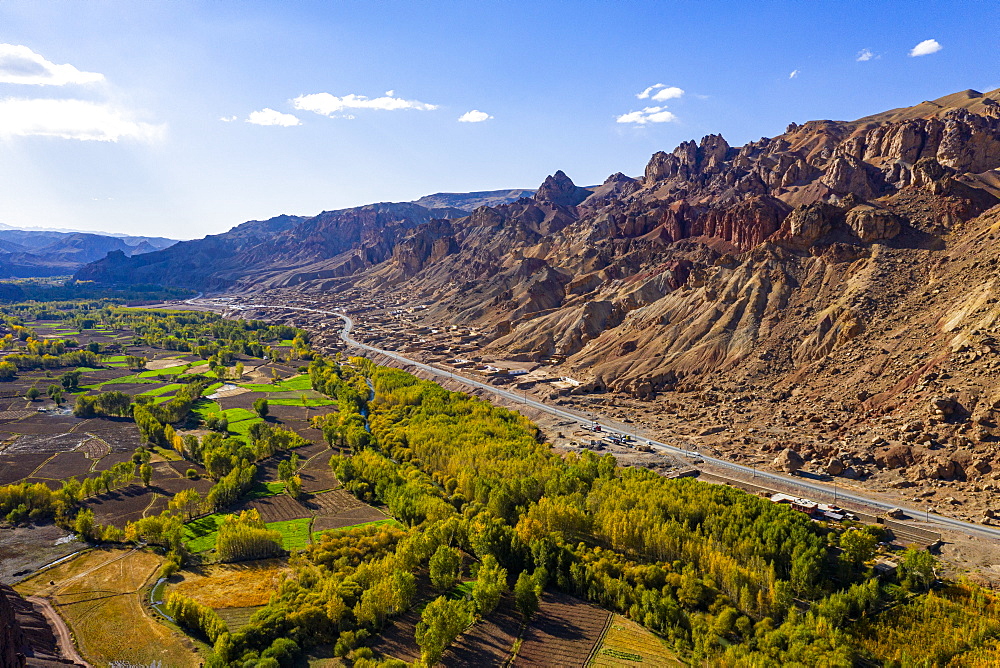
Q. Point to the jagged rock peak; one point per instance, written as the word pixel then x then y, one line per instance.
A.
pixel 560 189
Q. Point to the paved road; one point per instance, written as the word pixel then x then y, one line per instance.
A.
pixel 807 486
pixel 63 636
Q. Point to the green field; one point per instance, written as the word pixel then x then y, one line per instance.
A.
pixel 293 384
pixel 294 533
pixel 169 455
pixel 166 389
pixel 200 534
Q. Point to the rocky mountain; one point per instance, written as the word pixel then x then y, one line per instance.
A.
pixel 472 201
pixel 281 251
pixel 26 253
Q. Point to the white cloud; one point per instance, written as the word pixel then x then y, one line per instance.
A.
pixel 865 55
pixel 794 74
pixel 71 119
pixel 21 65
pixel 664 92
pixel 926 48
pixel 326 104
pixel 267 116
pixel 474 116
pixel 647 115
pixel 227 119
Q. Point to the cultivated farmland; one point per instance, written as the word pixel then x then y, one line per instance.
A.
pixel 629 644
pixel 100 596
pixel 563 632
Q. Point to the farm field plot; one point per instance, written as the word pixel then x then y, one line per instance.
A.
pixel 563 632
pixel 110 460
pixel 398 637
pixel 181 467
pixel 18 466
pixel 277 508
pixel 243 585
pixel 627 643
pixel 298 383
pixel 126 504
pixel 338 509
pixel 99 594
pixel 200 534
pixel 42 425
pixel 317 474
pixel 25 549
pixel 103 376
pixel 64 465
pixel 39 443
pixel 237 618
pixel 489 642
pixel 242 400
pixel 120 433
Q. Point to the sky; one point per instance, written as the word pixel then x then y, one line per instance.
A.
pixel 182 119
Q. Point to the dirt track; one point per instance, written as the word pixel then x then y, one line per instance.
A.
pixel 63 635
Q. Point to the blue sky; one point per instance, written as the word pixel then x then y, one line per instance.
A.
pixel 111 113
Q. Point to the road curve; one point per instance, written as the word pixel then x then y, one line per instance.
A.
pixel 63 637
pixel 807 486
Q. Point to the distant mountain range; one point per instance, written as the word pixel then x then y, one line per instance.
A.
pixel 288 250
pixel 38 252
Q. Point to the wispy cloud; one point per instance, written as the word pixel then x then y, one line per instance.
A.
pixel 268 116
pixel 865 55
pixel 72 119
pixel 793 74
pixel 647 115
pixel 20 65
pixel 926 48
pixel 660 93
pixel 228 119
pixel 326 104
pixel 474 116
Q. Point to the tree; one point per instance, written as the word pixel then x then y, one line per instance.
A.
pixel 135 362
pixel 917 569
pixel 7 370
pixel 260 407
pixel 440 623
pixel 526 595
pixel 84 524
pixel 293 486
pixel 85 407
pixel 187 501
pixel 55 393
pixel 146 473
pixel 238 373
pixel 490 585
pixel 445 568
pixel 858 546
pixel 71 380
pixel 32 394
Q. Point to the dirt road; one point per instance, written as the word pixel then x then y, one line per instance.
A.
pixel 63 636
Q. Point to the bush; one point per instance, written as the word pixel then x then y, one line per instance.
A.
pixel 191 474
